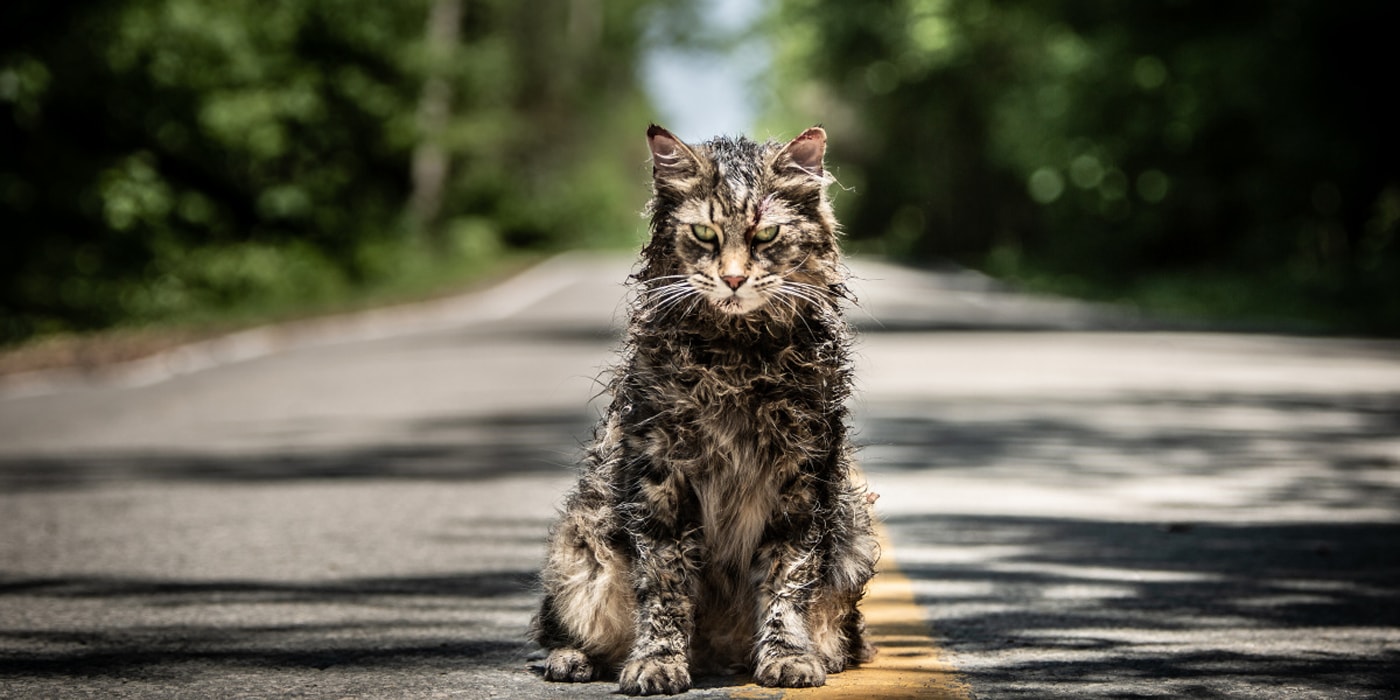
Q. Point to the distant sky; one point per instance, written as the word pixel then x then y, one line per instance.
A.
pixel 699 95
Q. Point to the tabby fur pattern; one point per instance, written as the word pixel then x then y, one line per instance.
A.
pixel 720 522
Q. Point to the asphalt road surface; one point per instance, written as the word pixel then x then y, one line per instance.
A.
pixel 1085 505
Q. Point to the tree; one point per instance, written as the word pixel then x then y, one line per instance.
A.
pixel 175 157
pixel 1220 154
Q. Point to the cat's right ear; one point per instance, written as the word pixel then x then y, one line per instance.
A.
pixel 805 152
pixel 671 159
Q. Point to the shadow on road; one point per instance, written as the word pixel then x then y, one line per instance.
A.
pixel 1058 607
pixel 1258 452
pixel 448 449
pixel 389 640
pixel 1218 545
pixel 382 636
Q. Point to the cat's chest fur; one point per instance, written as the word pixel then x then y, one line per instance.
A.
pixel 736 494
pixel 736 423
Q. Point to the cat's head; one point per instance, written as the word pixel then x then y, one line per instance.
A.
pixel 741 227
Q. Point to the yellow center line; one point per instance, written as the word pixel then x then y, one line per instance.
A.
pixel 909 663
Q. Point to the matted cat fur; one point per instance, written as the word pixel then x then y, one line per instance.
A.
pixel 719 524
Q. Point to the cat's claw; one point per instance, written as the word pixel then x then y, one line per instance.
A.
pixel 655 675
pixel 791 672
pixel 568 666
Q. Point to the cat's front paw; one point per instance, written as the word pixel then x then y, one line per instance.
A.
pixel 655 675
pixel 568 666
pixel 791 672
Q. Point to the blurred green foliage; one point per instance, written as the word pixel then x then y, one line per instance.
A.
pixel 161 159
pixel 1236 159
pixel 174 159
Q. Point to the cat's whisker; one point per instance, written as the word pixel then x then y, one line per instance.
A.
pixel 786 299
pixel 663 278
pixel 669 290
pixel 665 288
pixel 788 280
pixel 672 285
pixel 676 303
pixel 811 296
pixel 791 302
pixel 671 298
pixel 805 285
pixel 656 308
pixel 797 266
pixel 807 289
pixel 691 309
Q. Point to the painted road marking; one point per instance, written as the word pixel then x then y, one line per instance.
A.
pixel 909 665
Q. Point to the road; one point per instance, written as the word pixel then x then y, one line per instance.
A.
pixel 1082 505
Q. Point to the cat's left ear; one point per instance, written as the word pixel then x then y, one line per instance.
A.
pixel 670 157
pixel 806 151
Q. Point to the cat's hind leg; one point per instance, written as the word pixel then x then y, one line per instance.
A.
pixel 569 665
pixel 834 618
pixel 586 618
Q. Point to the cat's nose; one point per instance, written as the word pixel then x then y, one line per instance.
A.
pixel 735 281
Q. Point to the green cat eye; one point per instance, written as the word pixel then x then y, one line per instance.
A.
pixel 765 234
pixel 704 233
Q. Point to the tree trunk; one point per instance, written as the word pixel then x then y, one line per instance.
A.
pixel 431 161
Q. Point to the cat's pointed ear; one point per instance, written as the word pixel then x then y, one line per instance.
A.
pixel 670 157
pixel 806 151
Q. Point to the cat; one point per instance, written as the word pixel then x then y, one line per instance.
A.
pixel 720 522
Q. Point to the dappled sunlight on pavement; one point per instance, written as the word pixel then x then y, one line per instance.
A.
pixel 1145 514
pixel 1069 514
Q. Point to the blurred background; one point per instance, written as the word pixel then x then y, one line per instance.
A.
pixel 176 163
